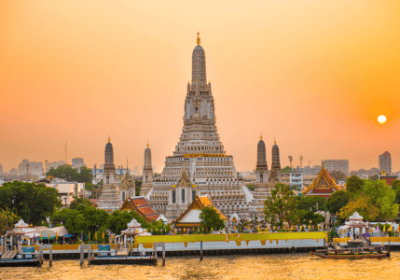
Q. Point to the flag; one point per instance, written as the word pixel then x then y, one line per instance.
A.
pixel 95 235
pixel 390 228
pixel 377 227
pixel 41 236
pixel 102 236
pixel 49 235
pixel 56 235
pixel 398 229
pixel 384 228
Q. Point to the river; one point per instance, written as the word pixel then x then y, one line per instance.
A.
pixel 282 266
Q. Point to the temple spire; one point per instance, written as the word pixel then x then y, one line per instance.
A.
pixel 109 139
pixel 198 41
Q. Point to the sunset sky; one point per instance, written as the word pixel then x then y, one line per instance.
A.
pixel 315 74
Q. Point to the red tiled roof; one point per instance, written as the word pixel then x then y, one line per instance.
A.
pixel 138 201
pixel 389 179
pixel 386 154
pixel 322 191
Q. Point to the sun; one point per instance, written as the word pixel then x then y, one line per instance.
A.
pixel 381 119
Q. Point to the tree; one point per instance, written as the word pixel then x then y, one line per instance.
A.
pixel 286 169
pixel 138 187
pixel 251 187
pixel 67 172
pixel 373 177
pixel 79 201
pixel 375 201
pixel 7 220
pixel 280 206
pixel 354 185
pixel 86 219
pixel 31 202
pixel 338 176
pixel 337 201
pixel 396 188
pixel 210 218
pixel 311 202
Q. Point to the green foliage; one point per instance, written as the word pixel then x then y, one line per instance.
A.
pixel 286 169
pixel 396 188
pixel 310 202
pixel 337 201
pixel 251 187
pixel 373 177
pixel 7 220
pixel 280 206
pixel 29 201
pixel 138 187
pixel 374 201
pixel 354 185
pixel 67 172
pixel 60 216
pixel 210 218
pixel 80 201
pixel 117 221
pixel 86 219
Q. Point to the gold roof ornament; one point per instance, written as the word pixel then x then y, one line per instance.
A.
pixel 147 143
pixel 260 136
pixel 274 141
pixel 198 39
pixel 109 139
pixel 383 172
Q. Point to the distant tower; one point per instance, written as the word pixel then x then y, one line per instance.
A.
pixel 127 186
pixel 301 163
pixel 290 161
pixel 147 172
pixel 262 167
pixel 385 163
pixel 276 164
pixel 109 199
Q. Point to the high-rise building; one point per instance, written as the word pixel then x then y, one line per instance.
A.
pixel 109 199
pixel 30 167
pixel 1 169
pixel 341 165
pixel 199 164
pixel 385 163
pixel 77 163
pixel 54 164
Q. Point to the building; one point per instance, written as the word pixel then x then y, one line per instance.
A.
pixel 1 169
pixel 341 165
pixel 109 199
pixel 77 163
pixel 323 186
pixel 190 219
pixel 199 165
pixel 1 181
pixel 127 187
pixel 388 178
pixel 276 164
pixel 385 163
pixel 293 179
pixel 30 168
pixel 54 164
pixel 66 189
pixel 147 181
pixel 308 170
pixel 262 166
pixel 140 205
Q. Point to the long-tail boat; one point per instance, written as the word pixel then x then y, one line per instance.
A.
pixel 353 253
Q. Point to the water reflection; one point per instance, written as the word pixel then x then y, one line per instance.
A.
pixel 285 266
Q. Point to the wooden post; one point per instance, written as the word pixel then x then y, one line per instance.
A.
pixel 41 253
pixel 163 253
pixel 51 255
pixel 201 250
pixel 155 250
pixel 82 254
pixel 131 249
pixel 89 253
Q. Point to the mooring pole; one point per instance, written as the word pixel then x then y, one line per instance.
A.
pixel 131 248
pixel 201 250
pixel 163 253
pixel 89 253
pixel 51 255
pixel 155 250
pixel 41 253
pixel 82 254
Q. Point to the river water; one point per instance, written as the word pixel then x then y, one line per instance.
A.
pixel 282 266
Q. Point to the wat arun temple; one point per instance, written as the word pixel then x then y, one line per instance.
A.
pixel 200 166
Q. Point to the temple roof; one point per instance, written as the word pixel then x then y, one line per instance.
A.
pixel 192 214
pixel 323 185
pixel 139 205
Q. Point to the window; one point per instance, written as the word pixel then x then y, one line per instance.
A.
pixel 173 197
pixel 193 195
pixel 183 196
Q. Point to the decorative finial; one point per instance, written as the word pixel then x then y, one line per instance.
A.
pixel 274 141
pixel 147 143
pixel 260 136
pixel 198 38
pixel 109 139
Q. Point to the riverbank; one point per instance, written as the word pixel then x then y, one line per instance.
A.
pixel 282 266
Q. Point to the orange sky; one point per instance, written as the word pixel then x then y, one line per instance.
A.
pixel 314 74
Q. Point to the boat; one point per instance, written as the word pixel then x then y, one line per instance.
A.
pixel 375 252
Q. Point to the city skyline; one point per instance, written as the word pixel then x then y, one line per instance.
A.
pixel 113 78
